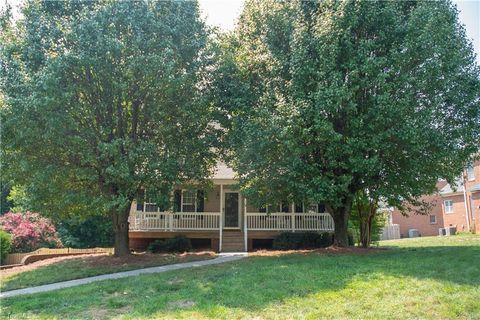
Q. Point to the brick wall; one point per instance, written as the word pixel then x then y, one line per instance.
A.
pixel 421 222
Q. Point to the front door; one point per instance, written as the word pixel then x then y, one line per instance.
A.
pixel 231 210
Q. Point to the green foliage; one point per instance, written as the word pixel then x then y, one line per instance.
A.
pixel 329 98
pixel 5 245
pixel 108 96
pixel 157 246
pixel 302 240
pixel 366 220
pixel 378 223
pixel 5 204
pixel 176 244
pixel 19 199
pixel 88 232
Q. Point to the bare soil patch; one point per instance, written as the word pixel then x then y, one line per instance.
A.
pixel 182 304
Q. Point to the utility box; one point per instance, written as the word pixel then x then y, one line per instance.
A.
pixel 413 233
pixel 451 231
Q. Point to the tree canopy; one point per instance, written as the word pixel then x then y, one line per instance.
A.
pixel 103 98
pixel 326 99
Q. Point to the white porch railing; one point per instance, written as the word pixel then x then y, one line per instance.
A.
pixel 289 221
pixel 168 221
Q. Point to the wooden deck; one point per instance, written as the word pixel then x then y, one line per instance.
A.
pixel 197 226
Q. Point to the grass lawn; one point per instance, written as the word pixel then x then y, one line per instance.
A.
pixel 427 278
pixel 86 266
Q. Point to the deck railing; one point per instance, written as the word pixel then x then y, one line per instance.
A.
pixel 289 221
pixel 168 221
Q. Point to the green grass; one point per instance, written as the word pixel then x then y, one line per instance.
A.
pixel 427 278
pixel 89 266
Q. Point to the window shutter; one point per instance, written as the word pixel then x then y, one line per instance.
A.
pixel 200 200
pixel 298 207
pixel 321 208
pixel 177 205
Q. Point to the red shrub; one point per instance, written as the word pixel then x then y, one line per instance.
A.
pixel 30 231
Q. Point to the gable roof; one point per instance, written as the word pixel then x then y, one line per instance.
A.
pixel 223 172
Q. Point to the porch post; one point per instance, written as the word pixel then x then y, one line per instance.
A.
pixel 220 240
pixel 293 217
pixel 245 229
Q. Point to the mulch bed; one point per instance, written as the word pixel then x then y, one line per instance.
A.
pixel 143 258
pixel 138 259
pixel 321 251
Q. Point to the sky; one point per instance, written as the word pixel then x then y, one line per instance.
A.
pixel 224 13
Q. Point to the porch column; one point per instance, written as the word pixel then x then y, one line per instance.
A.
pixel 220 240
pixel 245 229
pixel 293 216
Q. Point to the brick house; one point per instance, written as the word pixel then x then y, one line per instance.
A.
pixel 451 206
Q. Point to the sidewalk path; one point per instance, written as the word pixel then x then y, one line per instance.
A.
pixel 72 283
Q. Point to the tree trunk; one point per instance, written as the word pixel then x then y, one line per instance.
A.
pixel 366 225
pixel 340 217
pixel 120 227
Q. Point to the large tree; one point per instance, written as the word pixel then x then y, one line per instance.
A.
pixel 103 98
pixel 330 98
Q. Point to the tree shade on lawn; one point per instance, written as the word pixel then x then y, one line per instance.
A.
pixel 102 99
pixel 423 278
pixel 329 98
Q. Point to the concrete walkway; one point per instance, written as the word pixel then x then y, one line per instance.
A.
pixel 224 257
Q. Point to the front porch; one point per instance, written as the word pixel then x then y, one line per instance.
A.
pixel 223 216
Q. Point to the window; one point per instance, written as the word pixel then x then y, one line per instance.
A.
pixel 448 204
pixel 470 172
pixel 312 208
pixel 189 201
pixel 145 203
pixel 283 207
pixel 322 208
pixel 299 207
pixel 433 219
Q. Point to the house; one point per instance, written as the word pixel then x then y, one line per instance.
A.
pixel 221 218
pixel 461 204
pixel 452 206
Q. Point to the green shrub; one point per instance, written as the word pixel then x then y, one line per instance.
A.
pixel 175 244
pixel 302 240
pixel 178 244
pixel 5 245
pixel 157 246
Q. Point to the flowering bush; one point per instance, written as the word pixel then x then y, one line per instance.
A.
pixel 30 231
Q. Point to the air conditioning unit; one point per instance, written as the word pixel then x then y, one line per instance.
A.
pixel 450 231
pixel 413 233
pixel 442 232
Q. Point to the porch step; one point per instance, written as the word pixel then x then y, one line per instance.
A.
pixel 233 242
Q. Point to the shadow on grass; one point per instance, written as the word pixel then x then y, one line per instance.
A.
pixel 254 283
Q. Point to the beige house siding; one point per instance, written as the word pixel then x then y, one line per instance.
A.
pixel 212 199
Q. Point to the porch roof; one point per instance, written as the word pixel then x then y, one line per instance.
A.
pixel 223 174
